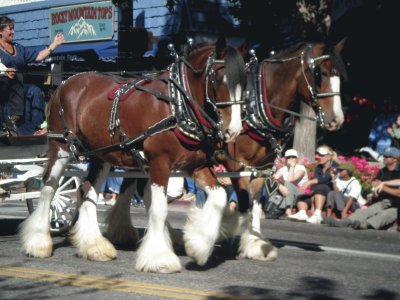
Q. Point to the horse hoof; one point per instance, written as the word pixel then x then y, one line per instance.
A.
pixel 259 250
pixel 39 247
pixel 160 264
pixel 198 250
pixel 99 250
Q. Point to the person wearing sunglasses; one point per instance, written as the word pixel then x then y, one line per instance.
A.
pixel 292 175
pixel 386 199
pixel 320 184
pixel 13 57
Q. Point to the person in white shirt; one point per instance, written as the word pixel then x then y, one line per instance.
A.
pixel 293 175
pixel 346 194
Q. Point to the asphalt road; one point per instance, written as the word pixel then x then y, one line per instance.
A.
pixel 314 262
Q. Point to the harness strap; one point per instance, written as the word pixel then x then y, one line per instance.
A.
pixel 123 90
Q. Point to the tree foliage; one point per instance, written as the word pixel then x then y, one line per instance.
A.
pixel 277 24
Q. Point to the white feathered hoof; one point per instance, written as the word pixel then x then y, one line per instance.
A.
pixel 37 245
pixel 126 236
pixel 96 249
pixel 253 246
pixel 157 261
pixel 35 237
pixel 197 248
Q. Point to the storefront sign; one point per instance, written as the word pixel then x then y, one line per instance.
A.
pixel 83 22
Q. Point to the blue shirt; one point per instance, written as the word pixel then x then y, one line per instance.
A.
pixel 21 57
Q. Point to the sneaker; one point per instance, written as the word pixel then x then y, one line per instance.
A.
pixel 110 202
pixel 137 204
pixel 100 199
pixel 299 216
pixel 314 219
pixel 188 197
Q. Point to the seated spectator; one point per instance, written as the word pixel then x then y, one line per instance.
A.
pixel 293 175
pixel 227 184
pixel 394 132
pixel 384 211
pixel 320 184
pixel 346 191
pixel 190 190
pixel 112 185
pixel 392 183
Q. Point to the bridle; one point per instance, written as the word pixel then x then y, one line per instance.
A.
pixel 210 84
pixel 211 79
pixel 308 62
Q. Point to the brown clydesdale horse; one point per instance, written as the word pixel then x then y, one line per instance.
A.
pixel 274 88
pixel 159 122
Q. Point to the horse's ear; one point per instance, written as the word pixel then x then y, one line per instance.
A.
pixel 220 47
pixel 340 45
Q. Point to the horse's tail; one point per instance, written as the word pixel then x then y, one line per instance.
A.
pixel 235 68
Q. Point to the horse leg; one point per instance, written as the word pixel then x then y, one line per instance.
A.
pixel 120 230
pixel 202 228
pixel 35 231
pixel 143 188
pixel 155 253
pixel 252 242
pixel 86 234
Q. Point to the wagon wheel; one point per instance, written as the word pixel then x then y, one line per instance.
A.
pixel 63 210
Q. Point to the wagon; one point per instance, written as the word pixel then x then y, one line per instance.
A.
pixel 22 163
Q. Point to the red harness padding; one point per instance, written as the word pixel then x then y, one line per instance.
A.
pixel 111 94
pixel 253 134
pixel 198 114
pixel 185 139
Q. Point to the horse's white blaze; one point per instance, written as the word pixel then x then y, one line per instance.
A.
pixel 235 125
pixel 155 253
pixel 86 234
pixel 203 226
pixel 35 231
pixel 252 243
pixel 337 102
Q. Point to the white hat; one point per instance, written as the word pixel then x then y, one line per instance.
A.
pixel 323 151
pixel 291 152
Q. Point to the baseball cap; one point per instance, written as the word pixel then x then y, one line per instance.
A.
pixel 347 166
pixel 392 151
pixel 323 151
pixel 291 152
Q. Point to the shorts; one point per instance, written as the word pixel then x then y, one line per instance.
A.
pixel 321 189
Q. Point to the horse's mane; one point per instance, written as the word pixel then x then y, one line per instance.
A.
pixel 235 68
pixel 338 64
